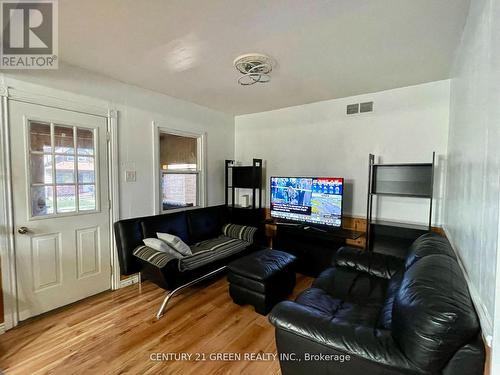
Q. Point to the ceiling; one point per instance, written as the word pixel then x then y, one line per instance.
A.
pixel 324 49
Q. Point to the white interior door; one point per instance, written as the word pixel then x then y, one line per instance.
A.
pixel 61 206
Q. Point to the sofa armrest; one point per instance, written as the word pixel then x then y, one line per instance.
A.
pixel 375 346
pixel 154 257
pixel 240 232
pixel 375 264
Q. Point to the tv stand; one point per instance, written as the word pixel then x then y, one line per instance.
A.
pixel 314 247
pixel 307 227
pixel 286 224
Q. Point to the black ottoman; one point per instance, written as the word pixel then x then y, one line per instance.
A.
pixel 262 279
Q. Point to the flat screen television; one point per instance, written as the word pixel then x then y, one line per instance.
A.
pixel 312 200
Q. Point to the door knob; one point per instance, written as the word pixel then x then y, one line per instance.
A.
pixel 22 230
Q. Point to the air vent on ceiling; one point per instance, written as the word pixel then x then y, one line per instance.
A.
pixel 352 109
pixel 365 107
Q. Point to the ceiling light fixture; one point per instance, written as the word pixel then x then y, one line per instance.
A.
pixel 254 67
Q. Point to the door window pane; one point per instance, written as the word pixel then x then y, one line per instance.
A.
pixel 85 141
pixel 55 174
pixel 178 152
pixel 65 169
pixel 86 170
pixel 41 169
pixel 66 198
pixel 64 140
pixel 40 137
pixel 179 190
pixel 86 197
pixel 42 202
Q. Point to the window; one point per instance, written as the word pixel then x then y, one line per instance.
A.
pixel 62 169
pixel 180 171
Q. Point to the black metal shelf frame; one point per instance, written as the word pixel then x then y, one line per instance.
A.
pixel 404 195
pixel 243 177
pixel 417 177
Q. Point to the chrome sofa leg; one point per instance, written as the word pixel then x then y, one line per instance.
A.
pixel 159 314
pixel 169 295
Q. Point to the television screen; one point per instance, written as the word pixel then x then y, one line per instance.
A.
pixel 314 200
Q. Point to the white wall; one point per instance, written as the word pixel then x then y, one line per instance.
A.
pixel 319 139
pixel 473 176
pixel 137 109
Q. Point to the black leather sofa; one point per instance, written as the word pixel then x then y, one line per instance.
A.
pixel 192 226
pixel 375 314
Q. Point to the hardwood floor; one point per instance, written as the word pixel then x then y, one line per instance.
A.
pixel 116 333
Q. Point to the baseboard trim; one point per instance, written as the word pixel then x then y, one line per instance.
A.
pixel 2 328
pixel 134 279
pixel 482 312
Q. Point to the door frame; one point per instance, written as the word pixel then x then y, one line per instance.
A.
pixel 7 244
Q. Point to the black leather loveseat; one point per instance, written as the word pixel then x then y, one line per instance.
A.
pixel 192 226
pixel 375 314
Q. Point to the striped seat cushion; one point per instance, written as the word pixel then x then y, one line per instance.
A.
pixel 208 251
pixel 155 257
pixel 204 253
pixel 241 232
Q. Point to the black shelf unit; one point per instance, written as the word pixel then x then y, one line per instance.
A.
pixel 388 223
pixel 404 180
pixel 243 177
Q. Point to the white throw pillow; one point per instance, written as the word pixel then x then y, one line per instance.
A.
pixel 176 243
pixel 162 246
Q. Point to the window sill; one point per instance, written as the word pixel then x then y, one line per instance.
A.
pixel 173 210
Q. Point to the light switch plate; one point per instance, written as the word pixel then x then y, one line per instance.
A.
pixel 130 176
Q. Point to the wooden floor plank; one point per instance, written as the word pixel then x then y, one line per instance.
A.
pixel 116 333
